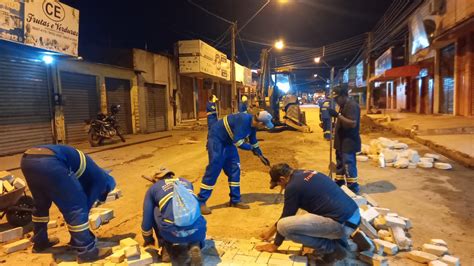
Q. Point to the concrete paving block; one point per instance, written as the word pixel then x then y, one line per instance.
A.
pixel 383 234
pixel 373 259
pixel 19 183
pixel 118 256
pixel 412 165
pixel 421 256
pixel 394 221
pixel 348 191
pixel 299 260
pixel 398 234
pixel 370 214
pixel 368 229
pixel 443 166
pixel 450 260
pixel 294 250
pixel 408 224
pixel 438 242
pixel 277 262
pixel 437 263
pixel 380 223
pixel 16 246
pixel 229 254
pixel 6 176
pixel 244 258
pixel 144 259
pixel 8 187
pixel 110 198
pixel 1 187
pixel 95 221
pixel 362 158
pixel 12 234
pixel 392 214
pixel 382 211
pixel 264 257
pixel 52 224
pixel 360 201
pixel 105 214
pixel 432 155
pixel 388 248
pixel 128 242
pixel 245 246
pixel 280 256
pixel 132 251
pixel 389 239
pixel 370 200
pixel 424 164
pixel 434 249
pixel 251 253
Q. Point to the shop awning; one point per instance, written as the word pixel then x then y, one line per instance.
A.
pixel 397 72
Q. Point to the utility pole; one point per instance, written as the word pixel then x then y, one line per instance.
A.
pixel 369 73
pixel 232 67
pixel 331 86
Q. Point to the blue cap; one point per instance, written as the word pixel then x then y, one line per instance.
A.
pixel 266 118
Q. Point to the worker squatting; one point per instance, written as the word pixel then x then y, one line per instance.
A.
pixel 71 179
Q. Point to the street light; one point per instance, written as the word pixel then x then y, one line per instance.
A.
pixel 317 60
pixel 315 75
pixel 279 44
pixel 283 1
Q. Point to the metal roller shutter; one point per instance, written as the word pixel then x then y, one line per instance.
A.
pixel 156 108
pixel 25 105
pixel 118 92
pixel 81 102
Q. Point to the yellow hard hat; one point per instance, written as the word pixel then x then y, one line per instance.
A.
pixel 244 98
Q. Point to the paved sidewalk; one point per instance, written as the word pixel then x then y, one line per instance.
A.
pixel 12 162
pixel 452 136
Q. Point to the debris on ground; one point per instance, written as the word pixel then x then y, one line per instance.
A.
pixel 384 232
pixel 9 183
pixel 392 153
pixel 189 140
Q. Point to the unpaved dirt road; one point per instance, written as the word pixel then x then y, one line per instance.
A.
pixel 439 203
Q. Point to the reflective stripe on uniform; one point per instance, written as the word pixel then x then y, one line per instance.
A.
pixel 240 142
pixel 256 145
pixel 211 113
pixel 165 200
pixel 327 132
pixel 78 228
pixel 351 179
pixel 204 186
pixel 147 233
pixel 228 129
pixel 323 109
pixel 234 184
pixel 171 180
pixel 168 221
pixel 37 219
pixel 340 177
pixel 82 164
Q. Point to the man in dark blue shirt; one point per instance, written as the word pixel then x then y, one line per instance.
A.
pixel 71 179
pixel 347 138
pixel 332 215
pixel 158 216
pixel 325 117
pixel 211 109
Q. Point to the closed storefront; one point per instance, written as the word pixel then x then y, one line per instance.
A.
pixel 225 96
pixel 155 108
pixel 25 106
pixel 81 102
pixel 187 98
pixel 118 93
pixel 446 101
pixel 202 98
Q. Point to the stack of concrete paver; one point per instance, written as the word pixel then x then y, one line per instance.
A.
pixel 9 183
pixel 12 240
pixel 387 231
pixel 392 153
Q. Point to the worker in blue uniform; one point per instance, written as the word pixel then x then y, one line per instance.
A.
pixel 211 109
pixel 347 142
pixel 179 243
pixel 325 117
pixel 224 138
pixel 71 179
pixel 243 105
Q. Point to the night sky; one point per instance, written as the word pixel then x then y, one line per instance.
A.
pixel 158 24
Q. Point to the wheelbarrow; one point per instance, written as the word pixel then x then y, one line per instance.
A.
pixel 17 206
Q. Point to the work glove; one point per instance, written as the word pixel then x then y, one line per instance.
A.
pixel 149 241
pixel 333 112
pixel 257 151
pixel 264 160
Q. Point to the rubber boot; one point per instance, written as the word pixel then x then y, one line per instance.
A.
pixel 205 210
pixel 239 205
pixel 93 255
pixel 194 254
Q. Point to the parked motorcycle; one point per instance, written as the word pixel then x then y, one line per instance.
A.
pixel 104 127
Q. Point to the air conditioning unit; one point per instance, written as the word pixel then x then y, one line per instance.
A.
pixel 437 7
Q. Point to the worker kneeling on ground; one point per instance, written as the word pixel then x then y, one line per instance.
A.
pixel 225 136
pixel 171 209
pixel 332 215
pixel 72 180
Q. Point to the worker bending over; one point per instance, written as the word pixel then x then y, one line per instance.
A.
pixel 223 139
pixel 180 244
pixel 332 216
pixel 72 180
pixel 347 138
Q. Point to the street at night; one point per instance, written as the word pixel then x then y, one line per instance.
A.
pixel 271 132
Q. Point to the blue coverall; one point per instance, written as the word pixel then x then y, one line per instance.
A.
pixel 224 138
pixel 74 183
pixel 243 106
pixel 158 216
pixel 211 109
pixel 325 118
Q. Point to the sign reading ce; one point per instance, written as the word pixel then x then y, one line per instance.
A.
pixel 53 10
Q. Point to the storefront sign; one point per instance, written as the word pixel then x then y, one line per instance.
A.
pixel 418 36
pixel 360 82
pixel 384 62
pixel 45 24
